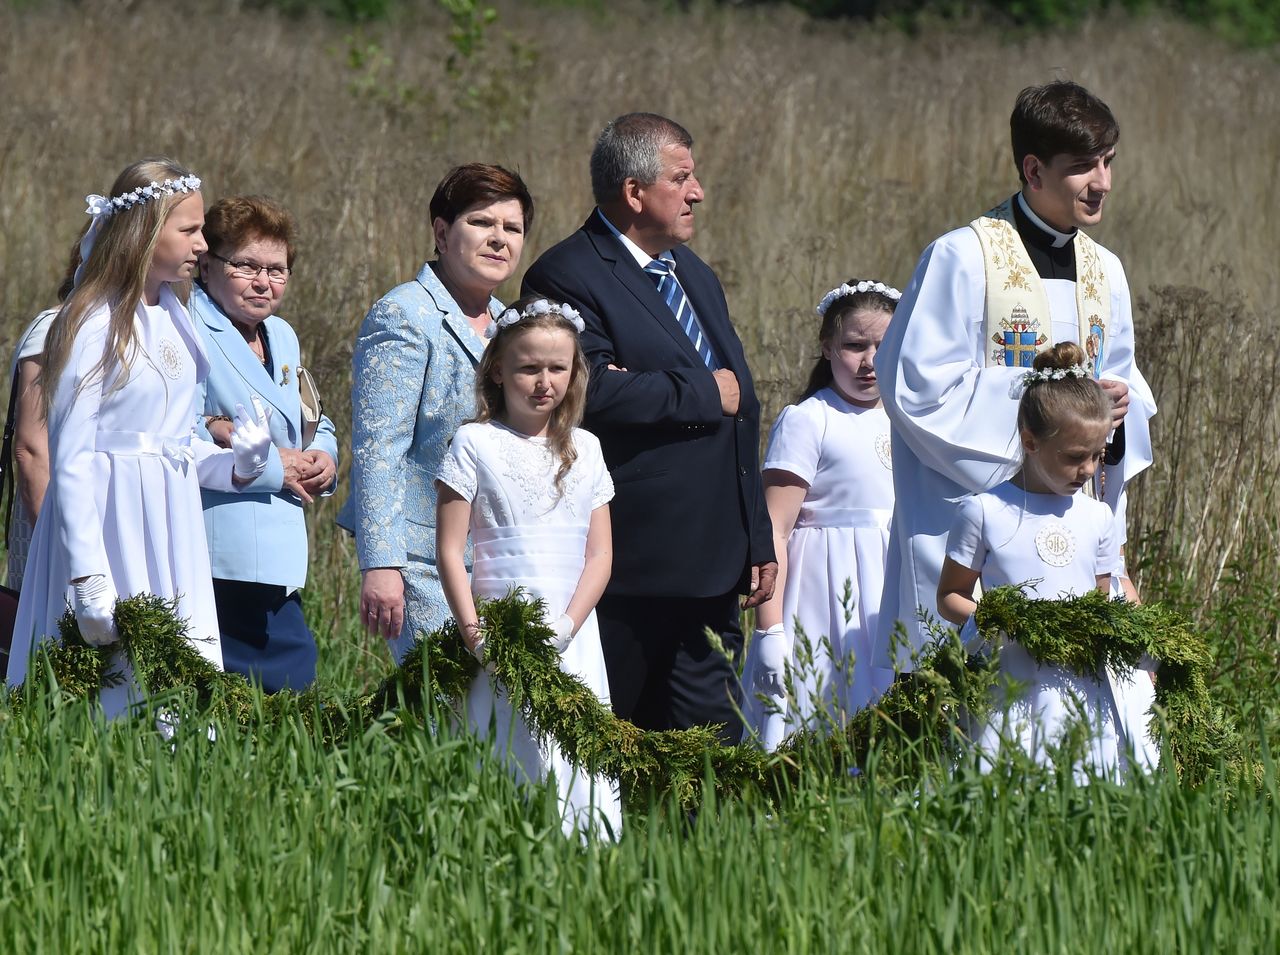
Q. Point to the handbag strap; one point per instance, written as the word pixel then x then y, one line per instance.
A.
pixel 6 457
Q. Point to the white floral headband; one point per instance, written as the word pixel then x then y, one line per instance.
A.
pixel 864 286
pixel 103 208
pixel 1025 381
pixel 535 308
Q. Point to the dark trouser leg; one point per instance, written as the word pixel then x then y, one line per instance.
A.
pixel 663 674
pixel 264 635
pixel 631 652
pixel 703 685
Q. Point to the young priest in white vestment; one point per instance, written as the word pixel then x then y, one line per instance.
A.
pixel 984 299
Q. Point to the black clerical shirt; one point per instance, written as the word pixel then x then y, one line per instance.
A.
pixel 1050 262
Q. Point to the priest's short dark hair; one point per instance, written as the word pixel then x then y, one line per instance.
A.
pixel 1060 117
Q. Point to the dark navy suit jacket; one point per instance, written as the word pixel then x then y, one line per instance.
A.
pixel 689 518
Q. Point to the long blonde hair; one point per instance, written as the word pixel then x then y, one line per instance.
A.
pixel 115 274
pixel 491 402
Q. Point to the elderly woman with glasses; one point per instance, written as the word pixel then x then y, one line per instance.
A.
pixel 413 384
pixel 258 539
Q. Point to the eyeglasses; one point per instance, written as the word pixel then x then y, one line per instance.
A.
pixel 276 274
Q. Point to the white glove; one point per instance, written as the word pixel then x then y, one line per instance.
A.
pixel 95 602
pixel 772 650
pixel 563 628
pixel 251 440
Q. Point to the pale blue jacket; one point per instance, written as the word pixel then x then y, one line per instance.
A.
pixel 413 384
pixel 259 534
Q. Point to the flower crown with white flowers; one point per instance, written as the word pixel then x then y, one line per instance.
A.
pixel 104 207
pixel 1025 381
pixel 535 308
pixel 864 286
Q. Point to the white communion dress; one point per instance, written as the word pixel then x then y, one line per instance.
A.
pixel 526 534
pixel 1057 545
pixel 124 490
pixel 835 559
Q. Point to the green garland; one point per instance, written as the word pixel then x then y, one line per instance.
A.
pixel 1084 633
pixel 917 723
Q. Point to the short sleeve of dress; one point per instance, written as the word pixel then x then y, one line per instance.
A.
pixel 795 442
pixel 965 544
pixel 32 341
pixel 601 479
pixel 458 469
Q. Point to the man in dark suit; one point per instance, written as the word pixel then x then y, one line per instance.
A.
pixel 672 402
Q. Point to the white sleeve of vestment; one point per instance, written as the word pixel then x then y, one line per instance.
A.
pixel 74 436
pixel 1119 364
pixel 955 413
pixel 1108 557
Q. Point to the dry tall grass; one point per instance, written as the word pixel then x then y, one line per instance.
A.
pixel 826 150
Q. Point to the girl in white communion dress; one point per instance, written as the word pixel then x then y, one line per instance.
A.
pixel 122 364
pixel 1041 530
pixel 828 483
pixel 532 491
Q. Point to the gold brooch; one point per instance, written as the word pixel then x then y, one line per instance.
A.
pixel 284 372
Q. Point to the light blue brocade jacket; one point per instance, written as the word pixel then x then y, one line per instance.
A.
pixel 413 384
pixel 259 534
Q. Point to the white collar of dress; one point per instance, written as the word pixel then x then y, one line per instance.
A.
pixel 1059 238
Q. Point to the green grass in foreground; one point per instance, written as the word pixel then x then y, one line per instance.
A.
pixel 111 840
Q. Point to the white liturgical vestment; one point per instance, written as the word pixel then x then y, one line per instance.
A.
pixel 954 416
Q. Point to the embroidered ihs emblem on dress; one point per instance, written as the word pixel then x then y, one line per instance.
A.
pixel 1019 340
pixel 1056 545
pixel 171 362
pixel 884 449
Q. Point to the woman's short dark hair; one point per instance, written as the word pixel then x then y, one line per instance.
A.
pixel 234 220
pixel 476 183
pixel 1057 118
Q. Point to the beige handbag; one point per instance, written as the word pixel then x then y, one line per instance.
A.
pixel 312 406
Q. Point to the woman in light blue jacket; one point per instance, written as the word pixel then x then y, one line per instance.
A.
pixel 258 539
pixel 413 384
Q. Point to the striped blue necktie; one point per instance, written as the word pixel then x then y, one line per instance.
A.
pixel 660 270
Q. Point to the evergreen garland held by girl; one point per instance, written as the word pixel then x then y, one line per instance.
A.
pixel 1042 530
pixel 828 484
pixel 121 367
pixel 532 492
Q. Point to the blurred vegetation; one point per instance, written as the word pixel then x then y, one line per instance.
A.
pixel 1252 22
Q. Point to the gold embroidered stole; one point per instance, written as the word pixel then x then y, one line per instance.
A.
pixel 1017 306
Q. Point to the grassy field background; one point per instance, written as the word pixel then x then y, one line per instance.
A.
pixel 827 150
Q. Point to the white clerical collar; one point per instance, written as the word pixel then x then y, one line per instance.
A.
pixel 1059 238
pixel 642 257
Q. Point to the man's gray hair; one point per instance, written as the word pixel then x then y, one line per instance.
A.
pixel 630 147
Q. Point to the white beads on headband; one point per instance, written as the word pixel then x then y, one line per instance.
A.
pixel 535 308
pixel 103 207
pixel 1025 381
pixel 864 286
